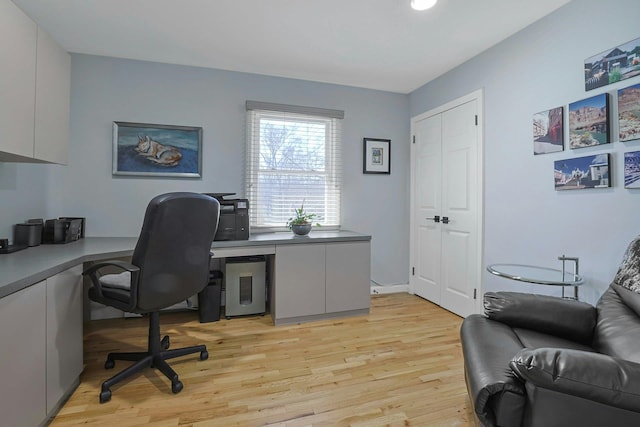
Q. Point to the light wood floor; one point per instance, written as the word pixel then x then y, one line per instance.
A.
pixel 399 366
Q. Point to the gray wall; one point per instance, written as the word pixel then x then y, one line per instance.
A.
pixel 104 90
pixel 526 220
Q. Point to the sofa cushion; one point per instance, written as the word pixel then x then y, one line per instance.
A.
pixel 628 275
pixel 535 339
pixel 618 328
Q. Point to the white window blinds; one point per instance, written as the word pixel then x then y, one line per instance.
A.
pixel 293 157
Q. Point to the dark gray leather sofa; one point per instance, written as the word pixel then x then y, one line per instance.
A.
pixel 541 361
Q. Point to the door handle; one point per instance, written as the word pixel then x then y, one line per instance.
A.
pixel 436 218
pixel 445 220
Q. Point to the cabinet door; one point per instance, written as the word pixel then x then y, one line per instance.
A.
pixel 23 356
pixel 64 334
pixel 348 276
pixel 17 85
pixel 53 77
pixel 299 280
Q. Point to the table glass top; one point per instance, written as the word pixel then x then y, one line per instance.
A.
pixel 535 274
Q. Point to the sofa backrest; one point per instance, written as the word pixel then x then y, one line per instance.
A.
pixel 618 326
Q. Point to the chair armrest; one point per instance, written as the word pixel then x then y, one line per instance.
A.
pixel 568 319
pixel 94 273
pixel 593 376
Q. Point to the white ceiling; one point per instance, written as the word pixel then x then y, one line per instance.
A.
pixel 376 44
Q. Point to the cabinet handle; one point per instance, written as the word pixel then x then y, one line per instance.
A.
pixel 445 220
pixel 436 218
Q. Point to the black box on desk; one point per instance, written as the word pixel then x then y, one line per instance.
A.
pixel 62 230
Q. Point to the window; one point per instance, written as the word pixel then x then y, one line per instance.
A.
pixel 293 157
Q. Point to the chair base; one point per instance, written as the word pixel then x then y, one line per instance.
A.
pixel 154 357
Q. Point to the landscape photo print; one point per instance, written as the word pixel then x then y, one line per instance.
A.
pixel 589 121
pixel 548 131
pixel 582 172
pixel 613 65
pixel 629 113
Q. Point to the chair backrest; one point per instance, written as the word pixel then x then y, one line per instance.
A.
pixel 173 248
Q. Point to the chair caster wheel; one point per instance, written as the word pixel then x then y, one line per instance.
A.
pixel 109 364
pixel 105 396
pixel 176 387
pixel 204 355
pixel 165 343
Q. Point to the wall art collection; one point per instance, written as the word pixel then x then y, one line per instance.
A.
pixel 591 122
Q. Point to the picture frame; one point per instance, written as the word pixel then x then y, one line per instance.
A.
pixel 613 65
pixel 548 131
pixel 376 156
pixel 629 113
pixel 589 123
pixel 156 150
pixel 632 169
pixel 582 172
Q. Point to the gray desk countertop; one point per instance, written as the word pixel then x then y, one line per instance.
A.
pixel 22 269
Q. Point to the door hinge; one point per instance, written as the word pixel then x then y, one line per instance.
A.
pixel 476 120
pixel 414 139
pixel 475 293
pixel 413 271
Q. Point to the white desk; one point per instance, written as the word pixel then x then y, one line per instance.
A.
pixel 324 275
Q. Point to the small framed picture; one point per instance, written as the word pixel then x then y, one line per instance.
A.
pixel 548 131
pixel 142 150
pixel 376 156
pixel 629 113
pixel 632 169
pixel 589 122
pixel 582 172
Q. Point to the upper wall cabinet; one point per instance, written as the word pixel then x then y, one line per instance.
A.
pixel 18 38
pixel 35 91
pixel 53 89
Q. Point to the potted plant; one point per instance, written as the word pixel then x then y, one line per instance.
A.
pixel 301 223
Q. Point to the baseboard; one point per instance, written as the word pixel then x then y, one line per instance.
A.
pixel 389 289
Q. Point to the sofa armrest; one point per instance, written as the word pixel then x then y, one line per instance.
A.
pixel 496 394
pixel 593 376
pixel 568 319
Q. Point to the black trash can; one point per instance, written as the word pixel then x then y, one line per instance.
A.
pixel 209 298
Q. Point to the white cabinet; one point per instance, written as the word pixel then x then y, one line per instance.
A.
pixel 41 359
pixel 53 95
pixel 348 276
pixel 299 280
pixel 18 36
pixel 314 281
pixel 34 91
pixel 64 335
pixel 23 356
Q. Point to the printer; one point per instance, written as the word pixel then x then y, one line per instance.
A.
pixel 234 217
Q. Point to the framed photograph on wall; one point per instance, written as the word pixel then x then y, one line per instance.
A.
pixel 589 122
pixel 141 149
pixel 613 65
pixel 582 172
pixel 548 131
pixel 376 156
pixel 629 113
pixel 632 169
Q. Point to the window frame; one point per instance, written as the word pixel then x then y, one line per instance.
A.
pixel 331 173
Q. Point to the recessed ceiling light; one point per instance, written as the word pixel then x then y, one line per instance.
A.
pixel 423 4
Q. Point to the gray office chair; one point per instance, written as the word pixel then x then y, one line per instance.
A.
pixel 170 263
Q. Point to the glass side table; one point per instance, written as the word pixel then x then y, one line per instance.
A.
pixel 542 275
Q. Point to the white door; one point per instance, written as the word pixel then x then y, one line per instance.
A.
pixel 446 209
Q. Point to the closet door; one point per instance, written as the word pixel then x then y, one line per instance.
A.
pixel 446 188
